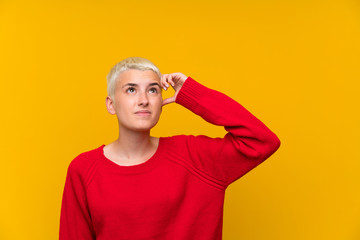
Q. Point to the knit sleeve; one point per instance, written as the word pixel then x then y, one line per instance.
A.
pixel 247 143
pixel 75 221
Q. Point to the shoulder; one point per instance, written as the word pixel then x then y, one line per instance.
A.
pixel 187 142
pixel 183 138
pixel 177 139
pixel 84 160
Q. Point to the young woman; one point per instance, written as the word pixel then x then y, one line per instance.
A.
pixel 166 188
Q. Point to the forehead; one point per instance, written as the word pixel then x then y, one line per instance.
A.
pixel 137 76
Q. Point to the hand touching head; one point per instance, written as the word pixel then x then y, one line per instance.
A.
pixel 176 80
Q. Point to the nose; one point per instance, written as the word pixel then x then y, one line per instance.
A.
pixel 143 99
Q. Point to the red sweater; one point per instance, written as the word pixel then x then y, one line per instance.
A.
pixel 178 193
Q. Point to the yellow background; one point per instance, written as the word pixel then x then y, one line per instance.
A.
pixel 293 64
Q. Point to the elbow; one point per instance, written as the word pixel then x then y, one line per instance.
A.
pixel 275 143
pixel 271 146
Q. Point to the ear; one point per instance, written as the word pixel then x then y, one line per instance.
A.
pixel 110 105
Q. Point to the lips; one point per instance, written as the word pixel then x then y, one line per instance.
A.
pixel 143 113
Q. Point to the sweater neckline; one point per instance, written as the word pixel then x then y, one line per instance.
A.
pixel 141 167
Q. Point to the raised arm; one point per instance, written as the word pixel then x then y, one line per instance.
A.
pixel 248 141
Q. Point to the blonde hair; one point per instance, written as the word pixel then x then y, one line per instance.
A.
pixel 138 63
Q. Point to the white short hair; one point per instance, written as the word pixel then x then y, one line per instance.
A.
pixel 138 63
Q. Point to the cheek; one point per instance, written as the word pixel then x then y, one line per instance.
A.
pixel 122 105
pixel 159 100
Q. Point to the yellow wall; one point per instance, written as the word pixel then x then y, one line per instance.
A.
pixel 293 64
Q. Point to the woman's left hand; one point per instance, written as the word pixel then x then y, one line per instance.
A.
pixel 176 80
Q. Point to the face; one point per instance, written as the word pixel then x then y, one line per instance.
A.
pixel 137 101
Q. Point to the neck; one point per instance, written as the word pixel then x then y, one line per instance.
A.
pixel 133 144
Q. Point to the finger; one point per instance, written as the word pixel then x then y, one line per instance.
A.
pixel 172 83
pixel 163 81
pixel 170 80
pixel 163 86
pixel 167 80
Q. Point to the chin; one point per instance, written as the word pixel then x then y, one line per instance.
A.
pixel 142 128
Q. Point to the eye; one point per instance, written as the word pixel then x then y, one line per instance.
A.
pixel 155 90
pixel 130 88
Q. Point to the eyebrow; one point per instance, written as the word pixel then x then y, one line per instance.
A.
pixel 134 84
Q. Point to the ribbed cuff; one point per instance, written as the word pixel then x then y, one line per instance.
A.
pixel 190 93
